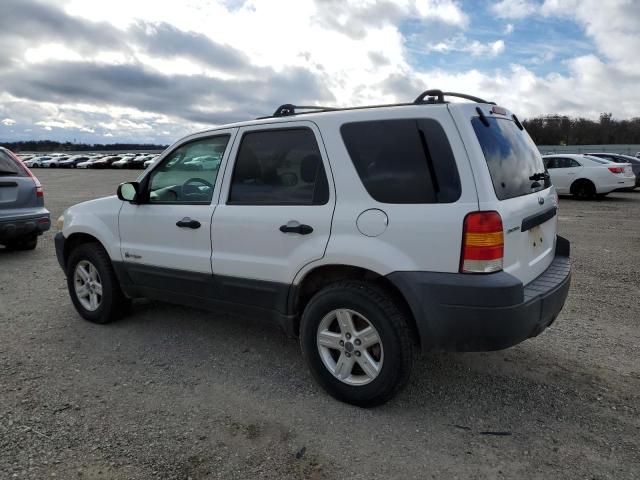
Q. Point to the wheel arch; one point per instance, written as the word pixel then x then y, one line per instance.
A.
pixel 321 276
pixel 74 240
pixel 579 181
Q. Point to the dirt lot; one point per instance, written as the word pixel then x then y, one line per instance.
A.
pixel 172 392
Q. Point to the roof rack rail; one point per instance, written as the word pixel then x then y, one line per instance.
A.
pixel 289 109
pixel 437 96
pixel 428 96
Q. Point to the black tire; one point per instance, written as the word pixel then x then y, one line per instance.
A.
pixel 114 304
pixel 26 243
pixel 583 189
pixel 392 325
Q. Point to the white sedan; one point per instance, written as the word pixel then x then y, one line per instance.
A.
pixel 584 176
pixel 37 161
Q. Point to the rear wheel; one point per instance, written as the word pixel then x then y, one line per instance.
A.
pixel 93 285
pixel 357 343
pixel 583 189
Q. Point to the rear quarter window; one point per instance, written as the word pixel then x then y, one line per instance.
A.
pixel 403 161
pixel 8 165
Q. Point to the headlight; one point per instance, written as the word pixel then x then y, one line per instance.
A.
pixel 60 223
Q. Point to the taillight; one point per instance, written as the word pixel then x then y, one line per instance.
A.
pixel 482 243
pixel 616 169
pixel 39 189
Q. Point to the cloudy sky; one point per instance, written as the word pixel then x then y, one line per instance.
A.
pixel 152 71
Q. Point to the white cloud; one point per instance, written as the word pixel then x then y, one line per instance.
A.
pixel 514 8
pixel 497 47
pixel 461 43
pixel 355 50
pixel 446 11
pixel 613 25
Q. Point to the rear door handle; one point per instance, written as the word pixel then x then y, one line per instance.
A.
pixel 186 222
pixel 302 229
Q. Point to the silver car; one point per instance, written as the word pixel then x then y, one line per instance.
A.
pixel 22 214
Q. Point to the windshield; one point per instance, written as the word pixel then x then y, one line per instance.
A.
pixel 514 162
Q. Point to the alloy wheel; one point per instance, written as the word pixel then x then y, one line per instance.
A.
pixel 88 285
pixel 350 347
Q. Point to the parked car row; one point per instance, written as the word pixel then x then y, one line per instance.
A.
pixel 594 174
pixel 90 160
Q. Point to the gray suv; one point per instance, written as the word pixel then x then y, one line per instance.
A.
pixel 22 214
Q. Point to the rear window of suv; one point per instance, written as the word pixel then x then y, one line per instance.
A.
pixel 403 161
pixel 511 156
pixel 8 165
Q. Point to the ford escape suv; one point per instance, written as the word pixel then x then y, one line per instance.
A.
pixel 368 233
pixel 22 214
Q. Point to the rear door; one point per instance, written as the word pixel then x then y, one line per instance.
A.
pixel 17 189
pixel 274 214
pixel 509 172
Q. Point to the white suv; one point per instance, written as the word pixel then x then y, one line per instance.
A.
pixel 369 233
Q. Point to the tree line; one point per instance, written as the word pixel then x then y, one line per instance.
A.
pixel 53 146
pixel 563 130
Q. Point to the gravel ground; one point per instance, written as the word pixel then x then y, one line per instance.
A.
pixel 173 392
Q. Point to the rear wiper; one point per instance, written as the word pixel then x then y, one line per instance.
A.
pixel 539 176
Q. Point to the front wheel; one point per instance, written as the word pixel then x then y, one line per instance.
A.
pixel 357 343
pixel 93 285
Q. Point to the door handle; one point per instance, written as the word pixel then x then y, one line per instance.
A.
pixel 186 222
pixel 302 229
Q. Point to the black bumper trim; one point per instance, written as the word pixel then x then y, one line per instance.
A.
pixel 457 312
pixel 59 240
pixel 538 219
pixel 12 229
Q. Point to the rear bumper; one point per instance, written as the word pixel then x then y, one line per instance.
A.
pixel 458 312
pixel 11 229
pixel 623 183
pixel 631 187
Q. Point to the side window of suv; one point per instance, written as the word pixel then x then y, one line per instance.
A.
pixel 403 161
pixel 188 174
pixel 279 167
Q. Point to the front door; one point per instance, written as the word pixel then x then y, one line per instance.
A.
pixel 274 214
pixel 166 240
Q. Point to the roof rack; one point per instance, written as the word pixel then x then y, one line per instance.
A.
pixel 289 109
pixel 426 97
pixel 437 96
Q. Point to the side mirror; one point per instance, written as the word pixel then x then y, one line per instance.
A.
pixel 128 191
